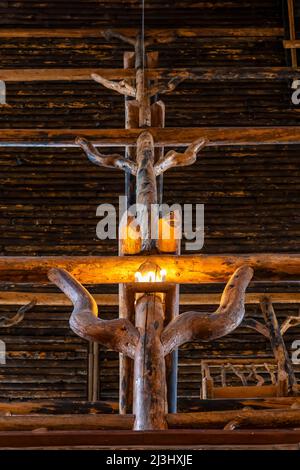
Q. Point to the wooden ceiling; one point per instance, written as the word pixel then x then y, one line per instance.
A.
pixel 49 196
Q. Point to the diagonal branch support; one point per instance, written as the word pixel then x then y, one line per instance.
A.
pixel 109 161
pixel 197 326
pixel 121 87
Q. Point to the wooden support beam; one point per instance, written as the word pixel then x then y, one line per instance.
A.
pixel 216 136
pixel 184 269
pixel 194 73
pixel 53 299
pixel 161 34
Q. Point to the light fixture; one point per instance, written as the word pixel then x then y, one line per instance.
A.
pixel 150 272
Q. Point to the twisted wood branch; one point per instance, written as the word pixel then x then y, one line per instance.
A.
pixel 197 326
pixel 289 323
pixel 174 159
pixel 121 87
pixel 8 322
pixel 109 161
pixel 163 88
pixel 119 335
pixel 111 34
pixel 257 326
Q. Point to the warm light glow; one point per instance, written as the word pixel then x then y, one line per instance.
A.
pixel 150 272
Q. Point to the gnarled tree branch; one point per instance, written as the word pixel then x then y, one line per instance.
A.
pixel 197 326
pixel 109 161
pixel 257 326
pixel 111 34
pixel 173 158
pixel 289 323
pixel 119 335
pixel 121 87
pixel 163 88
pixel 8 322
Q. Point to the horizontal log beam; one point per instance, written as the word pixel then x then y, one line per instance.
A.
pixel 195 73
pixel 22 298
pixel 291 44
pixel 193 405
pixel 58 407
pixel 218 404
pixel 216 136
pixel 186 269
pixel 157 33
pixel 254 419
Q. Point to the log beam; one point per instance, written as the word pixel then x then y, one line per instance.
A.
pixel 245 419
pixel 215 136
pixel 163 33
pixel 191 405
pixel 193 73
pixel 184 269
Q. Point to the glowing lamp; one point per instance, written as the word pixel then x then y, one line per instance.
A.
pixel 150 272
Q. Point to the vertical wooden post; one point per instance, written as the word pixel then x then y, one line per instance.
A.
pixel 125 363
pixel 150 394
pixel 93 371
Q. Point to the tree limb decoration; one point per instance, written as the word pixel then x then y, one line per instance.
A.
pixel 119 335
pixel 289 323
pixel 111 34
pixel 109 161
pixel 198 326
pixel 121 87
pixel 174 159
pixel 8 322
pixel 257 326
pixel 163 88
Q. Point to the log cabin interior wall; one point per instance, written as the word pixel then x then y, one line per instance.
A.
pixel 49 196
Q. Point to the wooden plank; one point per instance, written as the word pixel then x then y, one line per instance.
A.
pixel 196 73
pixel 216 136
pixel 180 269
pixel 155 439
pixel 160 34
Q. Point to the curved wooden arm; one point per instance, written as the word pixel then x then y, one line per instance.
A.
pixel 194 326
pixel 173 158
pixel 109 161
pixel 119 335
